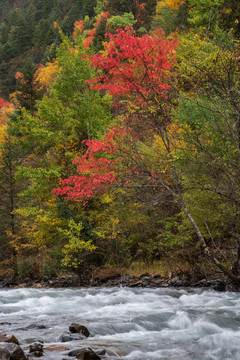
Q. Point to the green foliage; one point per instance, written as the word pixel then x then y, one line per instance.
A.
pixel 26 31
pixel 118 21
pixel 209 171
pixel 75 245
pixel 204 12
pixel 43 33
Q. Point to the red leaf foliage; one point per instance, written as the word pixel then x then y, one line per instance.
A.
pixel 131 65
pixel 97 169
pixel 4 103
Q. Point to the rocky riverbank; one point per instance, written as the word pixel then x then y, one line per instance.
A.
pixel 10 349
pixel 113 278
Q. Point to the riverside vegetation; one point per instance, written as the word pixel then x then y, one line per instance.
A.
pixel 120 137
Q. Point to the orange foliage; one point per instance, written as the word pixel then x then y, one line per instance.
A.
pixel 78 27
pixel 89 38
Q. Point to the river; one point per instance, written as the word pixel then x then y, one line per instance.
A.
pixel 137 324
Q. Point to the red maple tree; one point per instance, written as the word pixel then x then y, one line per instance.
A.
pixel 138 70
pixel 139 66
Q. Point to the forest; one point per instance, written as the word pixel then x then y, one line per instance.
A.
pixel 119 137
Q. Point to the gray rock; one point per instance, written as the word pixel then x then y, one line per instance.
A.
pixel 16 352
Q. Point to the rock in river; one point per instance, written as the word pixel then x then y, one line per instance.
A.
pixel 77 328
pixel 65 337
pixel 84 354
pixel 4 354
pixel 8 338
pixel 16 353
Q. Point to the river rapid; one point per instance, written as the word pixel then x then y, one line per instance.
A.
pixel 137 324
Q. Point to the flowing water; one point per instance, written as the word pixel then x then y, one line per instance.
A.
pixel 137 324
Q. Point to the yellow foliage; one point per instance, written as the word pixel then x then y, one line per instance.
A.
pixel 19 243
pixel 109 229
pixel 200 60
pixel 4 115
pixel 46 74
pixel 172 4
pixel 106 199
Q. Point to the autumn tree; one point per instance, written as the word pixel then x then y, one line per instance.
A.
pixel 143 81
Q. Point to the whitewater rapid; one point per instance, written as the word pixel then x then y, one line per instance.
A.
pixel 137 324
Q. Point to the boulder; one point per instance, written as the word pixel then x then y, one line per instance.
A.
pixel 4 354
pixel 77 328
pixel 16 352
pixel 36 347
pixel 8 338
pixel 84 354
pixel 88 354
pixel 76 351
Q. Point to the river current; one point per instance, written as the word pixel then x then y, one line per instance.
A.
pixel 137 324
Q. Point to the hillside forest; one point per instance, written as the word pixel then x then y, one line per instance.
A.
pixel 119 136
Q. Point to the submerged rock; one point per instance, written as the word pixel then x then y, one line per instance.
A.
pixel 36 326
pixel 65 337
pixel 77 328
